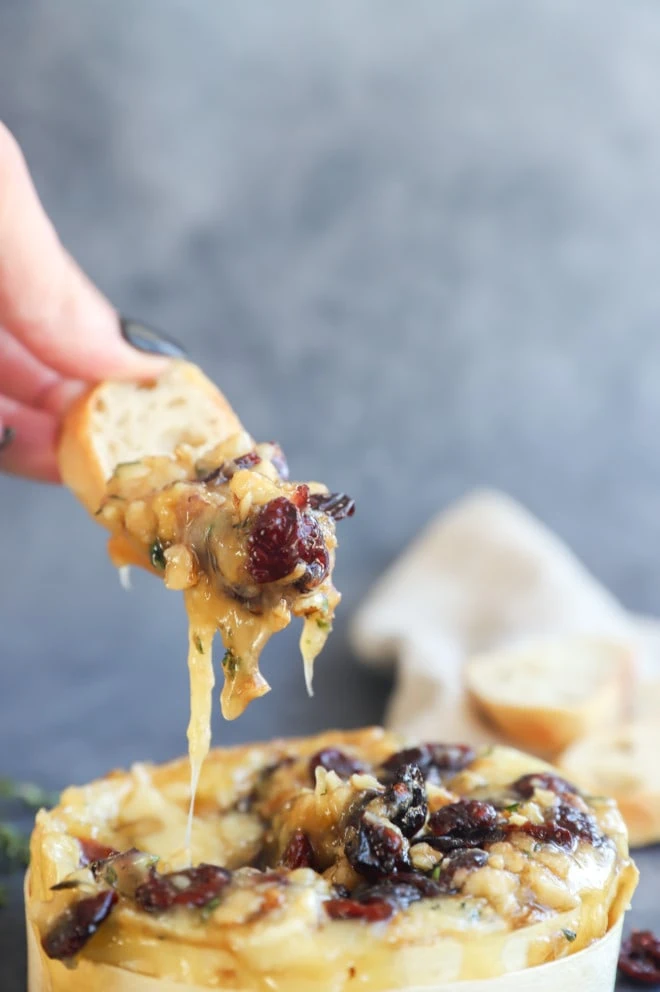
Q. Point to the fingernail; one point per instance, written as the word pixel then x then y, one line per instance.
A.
pixel 7 435
pixel 144 338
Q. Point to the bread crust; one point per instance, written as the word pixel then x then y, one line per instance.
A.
pixel 549 729
pixel 637 795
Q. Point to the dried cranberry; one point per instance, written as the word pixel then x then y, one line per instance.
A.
pixel 336 505
pixel 548 832
pixel 282 537
pixel 301 496
pixel 224 472
pixel 468 823
pixel 273 544
pixel 370 902
pixel 92 850
pixel 433 760
pixel 466 860
pixel 299 852
pixel 526 785
pixel 190 887
pixel 405 800
pixel 334 760
pixel 217 477
pixel 375 847
pixel 77 925
pixel 277 458
pixel 640 957
pixel 350 909
pixel 246 461
pixel 401 889
pixel 313 552
pixel 564 825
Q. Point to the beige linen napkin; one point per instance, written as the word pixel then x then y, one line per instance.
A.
pixel 484 574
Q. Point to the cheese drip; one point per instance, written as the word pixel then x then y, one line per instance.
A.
pixel 244 636
pixel 192 521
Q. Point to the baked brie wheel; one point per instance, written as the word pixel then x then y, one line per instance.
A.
pixel 338 862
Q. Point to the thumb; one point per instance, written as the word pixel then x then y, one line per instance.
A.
pixel 49 304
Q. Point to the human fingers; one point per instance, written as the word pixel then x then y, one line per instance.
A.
pixel 27 441
pixel 49 304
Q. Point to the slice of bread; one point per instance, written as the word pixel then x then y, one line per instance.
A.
pixel 622 763
pixel 547 694
pixel 117 422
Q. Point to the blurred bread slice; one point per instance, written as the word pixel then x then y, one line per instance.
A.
pixel 623 763
pixel 647 701
pixel 117 422
pixel 544 695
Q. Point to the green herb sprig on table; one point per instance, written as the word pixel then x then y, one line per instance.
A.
pixel 15 842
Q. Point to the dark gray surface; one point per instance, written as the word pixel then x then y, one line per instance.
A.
pixel 412 241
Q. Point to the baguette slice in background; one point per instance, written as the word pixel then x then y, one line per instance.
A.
pixel 544 695
pixel 623 763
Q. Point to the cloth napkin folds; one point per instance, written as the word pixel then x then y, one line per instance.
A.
pixel 485 574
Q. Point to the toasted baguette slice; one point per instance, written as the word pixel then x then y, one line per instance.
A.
pixel 187 494
pixel 622 763
pixel 546 695
pixel 119 422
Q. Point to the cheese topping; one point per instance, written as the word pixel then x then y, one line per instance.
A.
pixel 247 547
pixel 383 864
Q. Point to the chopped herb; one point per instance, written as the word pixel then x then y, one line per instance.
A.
pixel 231 663
pixel 198 643
pixel 110 875
pixel 570 935
pixel 210 908
pixel 512 808
pixel 435 874
pixel 323 624
pixel 31 795
pixel 14 845
pixel 157 555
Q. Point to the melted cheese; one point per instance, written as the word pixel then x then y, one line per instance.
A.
pixel 196 534
pixel 511 915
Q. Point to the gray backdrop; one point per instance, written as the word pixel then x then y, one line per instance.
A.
pixel 416 242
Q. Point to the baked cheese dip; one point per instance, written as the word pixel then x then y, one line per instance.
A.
pixel 325 864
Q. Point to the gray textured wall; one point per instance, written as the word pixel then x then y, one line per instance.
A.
pixel 417 242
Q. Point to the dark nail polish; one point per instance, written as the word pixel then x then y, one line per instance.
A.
pixel 6 437
pixel 144 338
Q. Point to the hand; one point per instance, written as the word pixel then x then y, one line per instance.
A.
pixel 57 330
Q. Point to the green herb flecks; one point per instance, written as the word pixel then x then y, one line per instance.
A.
pixel 512 808
pixel 157 555
pixel 435 874
pixel 570 935
pixel 14 846
pixel 32 796
pixel 323 624
pixel 197 641
pixel 231 662
pixel 209 908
